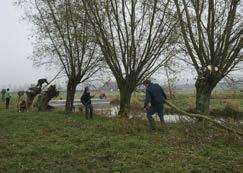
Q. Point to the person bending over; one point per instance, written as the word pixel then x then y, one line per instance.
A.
pixel 41 82
pixel 154 102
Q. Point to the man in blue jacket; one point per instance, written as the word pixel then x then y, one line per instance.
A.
pixel 154 102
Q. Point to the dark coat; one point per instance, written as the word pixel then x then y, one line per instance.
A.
pixel 154 95
pixel 86 98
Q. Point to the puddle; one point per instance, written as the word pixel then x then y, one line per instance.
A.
pixel 104 107
pixel 113 112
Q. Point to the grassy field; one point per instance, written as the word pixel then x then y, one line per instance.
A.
pixel 57 142
pixel 182 97
pixel 227 103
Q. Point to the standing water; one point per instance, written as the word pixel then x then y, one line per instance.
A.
pixel 113 112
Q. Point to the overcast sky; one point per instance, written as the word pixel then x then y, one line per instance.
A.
pixel 15 47
pixel 15 68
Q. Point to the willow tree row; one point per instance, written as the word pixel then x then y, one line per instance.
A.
pixel 137 37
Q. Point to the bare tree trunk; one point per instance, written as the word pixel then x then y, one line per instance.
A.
pixel 31 94
pixel 203 94
pixel 125 99
pixel 71 89
pixel 169 83
pixel 45 97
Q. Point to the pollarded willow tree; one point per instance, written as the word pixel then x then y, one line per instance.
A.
pixel 64 37
pixel 135 38
pixel 212 32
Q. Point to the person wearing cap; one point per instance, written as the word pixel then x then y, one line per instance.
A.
pixel 86 101
pixel 154 102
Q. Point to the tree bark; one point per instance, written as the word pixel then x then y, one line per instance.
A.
pixel 125 100
pixel 71 89
pixel 45 97
pixel 31 94
pixel 203 94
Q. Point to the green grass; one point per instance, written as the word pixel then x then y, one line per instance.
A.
pixel 183 99
pixel 220 100
pixel 226 103
pixel 56 142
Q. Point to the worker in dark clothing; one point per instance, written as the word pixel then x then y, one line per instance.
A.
pixel 154 102
pixel 7 98
pixel 86 101
pixel 41 82
pixel 3 94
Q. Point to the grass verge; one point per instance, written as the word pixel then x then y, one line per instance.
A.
pixel 56 142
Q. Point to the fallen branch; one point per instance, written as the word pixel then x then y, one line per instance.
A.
pixel 204 117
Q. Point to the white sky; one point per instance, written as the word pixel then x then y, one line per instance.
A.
pixel 15 47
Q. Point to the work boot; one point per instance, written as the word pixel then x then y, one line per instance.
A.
pixel 152 123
